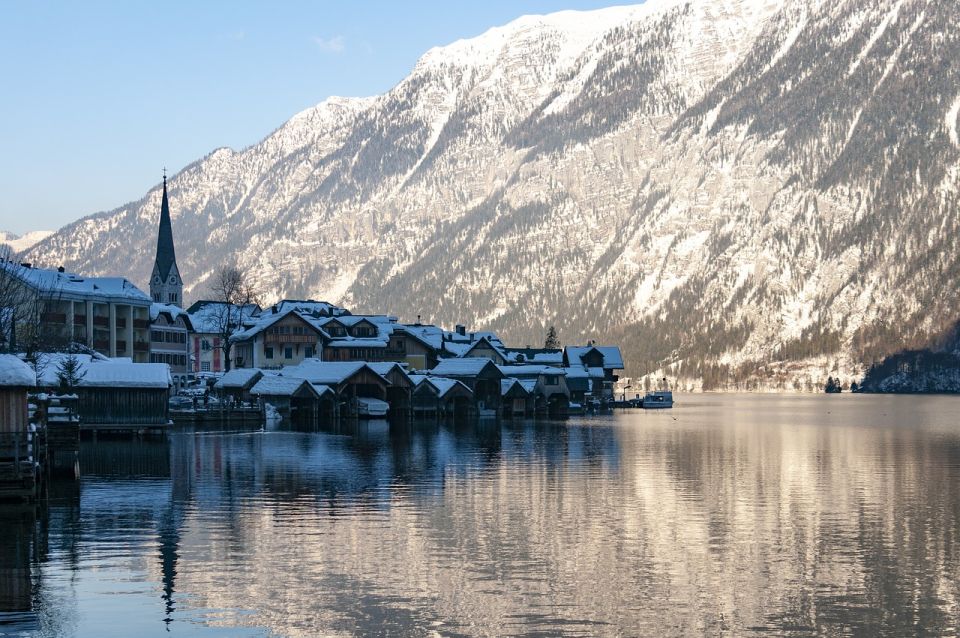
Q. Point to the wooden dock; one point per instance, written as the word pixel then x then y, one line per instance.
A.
pixel 18 471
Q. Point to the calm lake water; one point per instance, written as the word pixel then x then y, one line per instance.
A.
pixel 729 515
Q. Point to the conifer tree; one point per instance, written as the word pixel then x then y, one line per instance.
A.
pixel 553 341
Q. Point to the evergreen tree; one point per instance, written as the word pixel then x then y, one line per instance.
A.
pixel 553 341
pixel 70 372
pixel 833 386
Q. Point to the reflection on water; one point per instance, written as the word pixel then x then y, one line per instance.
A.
pixel 728 515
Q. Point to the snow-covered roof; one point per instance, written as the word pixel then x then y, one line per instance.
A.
pixel 612 359
pixel 457 349
pixel 428 334
pixel 326 372
pixel 444 386
pixel 72 286
pixel 359 342
pixel 125 375
pixel 383 368
pixel 463 367
pixel 543 356
pixel 507 384
pixel 311 308
pixel 258 324
pixel 14 373
pixel 577 372
pixel 172 311
pixel 531 370
pixel 208 317
pixel 276 385
pixel 238 378
pixel 528 384
pixel 50 362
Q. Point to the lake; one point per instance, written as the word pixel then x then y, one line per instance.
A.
pixel 728 515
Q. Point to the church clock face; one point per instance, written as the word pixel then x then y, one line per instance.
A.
pixel 156 279
pixel 173 280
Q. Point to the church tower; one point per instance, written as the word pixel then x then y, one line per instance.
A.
pixel 165 283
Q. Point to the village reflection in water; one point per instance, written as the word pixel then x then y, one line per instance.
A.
pixel 787 515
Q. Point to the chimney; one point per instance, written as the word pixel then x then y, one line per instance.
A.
pixel 273 309
pixel 461 330
pixel 418 320
pixel 60 269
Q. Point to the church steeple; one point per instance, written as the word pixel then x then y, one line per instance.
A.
pixel 165 283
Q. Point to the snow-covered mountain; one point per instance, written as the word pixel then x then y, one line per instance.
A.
pixel 733 189
pixel 20 243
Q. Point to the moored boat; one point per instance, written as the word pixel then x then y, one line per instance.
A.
pixel 658 399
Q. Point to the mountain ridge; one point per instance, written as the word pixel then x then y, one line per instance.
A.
pixel 704 181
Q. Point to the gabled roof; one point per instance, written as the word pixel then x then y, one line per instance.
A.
pixel 330 373
pixel 486 342
pixel 310 308
pixel 512 387
pixel 264 321
pixel 239 378
pixel 276 385
pixel 429 335
pixel 464 367
pixel 386 368
pixel 612 359
pixel 172 313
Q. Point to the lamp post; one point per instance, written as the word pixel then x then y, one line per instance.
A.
pixel 625 388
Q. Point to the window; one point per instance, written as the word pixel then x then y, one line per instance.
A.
pixel 551 380
pixel 173 297
pixel 204 366
pixel 205 345
pixel 308 352
pixel 268 352
pixel 288 353
pixel 156 335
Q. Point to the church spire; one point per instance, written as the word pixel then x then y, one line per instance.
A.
pixel 165 283
pixel 166 256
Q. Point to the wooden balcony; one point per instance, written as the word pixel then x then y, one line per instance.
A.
pixel 141 346
pixel 101 344
pixel 143 324
pixel 79 320
pixel 53 317
pixel 102 321
pixel 274 338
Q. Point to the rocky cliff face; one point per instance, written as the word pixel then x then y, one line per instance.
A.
pixel 740 191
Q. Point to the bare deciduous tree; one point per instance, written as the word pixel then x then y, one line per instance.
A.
pixel 22 306
pixel 237 296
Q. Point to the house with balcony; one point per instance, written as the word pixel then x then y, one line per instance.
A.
pixel 170 329
pixel 55 309
pixel 275 340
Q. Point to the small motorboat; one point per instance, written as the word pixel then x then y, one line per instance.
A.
pixel 372 408
pixel 658 399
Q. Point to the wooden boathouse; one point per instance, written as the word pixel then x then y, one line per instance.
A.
pixel 18 467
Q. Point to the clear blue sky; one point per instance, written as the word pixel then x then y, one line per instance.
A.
pixel 99 96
